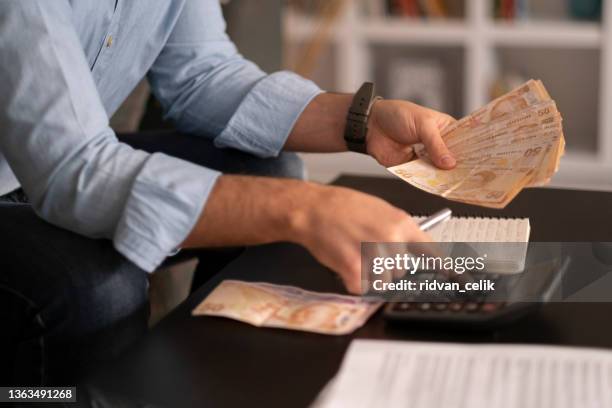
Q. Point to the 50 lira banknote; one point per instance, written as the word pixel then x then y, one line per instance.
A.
pixel 514 142
pixel 267 305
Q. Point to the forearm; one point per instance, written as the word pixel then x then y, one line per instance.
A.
pixel 320 128
pixel 331 222
pixel 246 210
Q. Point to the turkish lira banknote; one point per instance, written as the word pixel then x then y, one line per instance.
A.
pixel 514 142
pixel 267 305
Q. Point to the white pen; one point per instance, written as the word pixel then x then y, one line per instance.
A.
pixel 435 219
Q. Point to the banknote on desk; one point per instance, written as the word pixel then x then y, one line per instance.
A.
pixel 514 142
pixel 267 305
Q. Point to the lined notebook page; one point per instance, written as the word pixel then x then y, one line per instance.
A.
pixel 480 229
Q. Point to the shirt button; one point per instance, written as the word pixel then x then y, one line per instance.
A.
pixel 109 41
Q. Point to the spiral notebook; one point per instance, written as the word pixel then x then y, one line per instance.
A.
pixel 480 232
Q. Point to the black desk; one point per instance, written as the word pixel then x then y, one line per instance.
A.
pixel 204 361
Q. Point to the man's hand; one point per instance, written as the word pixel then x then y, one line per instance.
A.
pixel 395 126
pixel 331 222
pixel 335 221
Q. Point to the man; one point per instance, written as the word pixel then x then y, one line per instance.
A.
pixel 100 214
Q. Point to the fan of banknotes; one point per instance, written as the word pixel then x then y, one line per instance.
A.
pixel 267 305
pixel 514 142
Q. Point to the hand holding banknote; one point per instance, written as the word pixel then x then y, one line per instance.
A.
pixel 516 141
pixel 396 126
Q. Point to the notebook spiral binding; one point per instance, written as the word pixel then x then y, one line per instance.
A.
pixel 472 217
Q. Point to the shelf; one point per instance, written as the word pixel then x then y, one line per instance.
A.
pixel 527 34
pixel 389 30
pixel 416 31
pixel 548 34
pixel 455 32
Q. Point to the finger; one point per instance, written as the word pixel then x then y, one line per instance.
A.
pixel 351 275
pixel 420 241
pixel 414 234
pixel 369 253
pixel 430 136
pixel 352 284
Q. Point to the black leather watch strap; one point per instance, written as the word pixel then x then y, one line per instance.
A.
pixel 356 129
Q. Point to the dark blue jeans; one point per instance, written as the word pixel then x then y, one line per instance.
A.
pixel 68 302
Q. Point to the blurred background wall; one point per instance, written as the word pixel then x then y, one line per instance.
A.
pixel 256 27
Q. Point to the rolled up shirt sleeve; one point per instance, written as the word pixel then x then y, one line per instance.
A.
pixel 207 88
pixel 56 138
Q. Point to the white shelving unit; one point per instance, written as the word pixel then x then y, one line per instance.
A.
pixel 355 37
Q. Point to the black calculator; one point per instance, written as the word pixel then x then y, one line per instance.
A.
pixel 518 295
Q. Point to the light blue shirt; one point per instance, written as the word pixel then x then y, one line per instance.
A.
pixel 62 77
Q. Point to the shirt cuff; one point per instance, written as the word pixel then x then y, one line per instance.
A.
pixel 266 116
pixel 164 205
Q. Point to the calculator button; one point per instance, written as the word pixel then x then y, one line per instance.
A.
pixel 456 306
pixel 490 307
pixel 422 276
pixel 471 307
pixel 403 306
pixel 425 306
pixel 440 306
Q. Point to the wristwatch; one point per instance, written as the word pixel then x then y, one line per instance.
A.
pixel 356 129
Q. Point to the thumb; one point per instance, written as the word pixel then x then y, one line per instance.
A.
pixel 430 136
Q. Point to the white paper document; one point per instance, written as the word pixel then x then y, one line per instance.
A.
pixel 427 375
